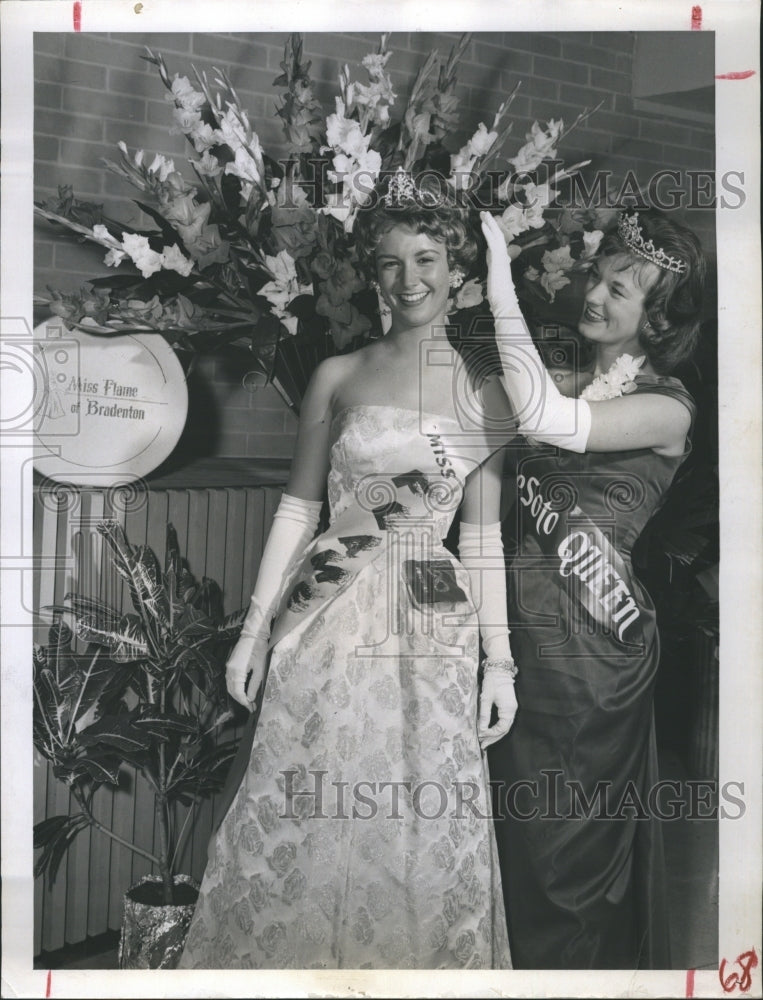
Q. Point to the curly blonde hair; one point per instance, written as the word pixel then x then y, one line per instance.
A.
pixel 437 211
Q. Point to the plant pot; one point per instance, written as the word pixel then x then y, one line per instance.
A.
pixel 153 933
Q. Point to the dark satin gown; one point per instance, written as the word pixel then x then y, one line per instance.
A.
pixel 581 861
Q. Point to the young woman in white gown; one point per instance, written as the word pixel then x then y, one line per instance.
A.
pixel 360 836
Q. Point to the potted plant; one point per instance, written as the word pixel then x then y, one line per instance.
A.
pixel 145 690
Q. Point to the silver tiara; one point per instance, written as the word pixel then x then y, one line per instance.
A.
pixel 630 233
pixel 403 191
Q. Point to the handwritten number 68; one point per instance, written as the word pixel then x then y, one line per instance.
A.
pixel 731 981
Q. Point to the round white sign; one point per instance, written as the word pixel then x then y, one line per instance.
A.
pixel 113 408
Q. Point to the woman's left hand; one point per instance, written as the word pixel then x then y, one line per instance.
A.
pixel 500 283
pixel 498 690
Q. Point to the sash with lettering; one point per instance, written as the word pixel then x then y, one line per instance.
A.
pixel 587 565
pixel 387 503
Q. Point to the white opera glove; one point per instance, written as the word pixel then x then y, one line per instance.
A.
pixel 245 669
pixel 293 528
pixel 497 689
pixel 544 413
pixel 481 552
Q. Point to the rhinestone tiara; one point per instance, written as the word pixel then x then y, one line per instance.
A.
pixel 403 191
pixel 630 233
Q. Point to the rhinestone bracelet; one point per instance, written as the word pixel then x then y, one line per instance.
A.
pixel 501 664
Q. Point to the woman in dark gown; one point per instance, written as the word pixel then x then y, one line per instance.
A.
pixel 575 781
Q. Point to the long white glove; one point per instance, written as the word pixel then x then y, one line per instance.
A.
pixel 481 552
pixel 293 527
pixel 544 413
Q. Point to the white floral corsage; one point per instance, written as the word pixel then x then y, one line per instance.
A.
pixel 618 381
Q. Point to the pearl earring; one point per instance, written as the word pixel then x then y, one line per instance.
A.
pixel 374 286
pixel 456 277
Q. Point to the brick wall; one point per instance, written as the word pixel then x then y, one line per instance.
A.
pixel 93 90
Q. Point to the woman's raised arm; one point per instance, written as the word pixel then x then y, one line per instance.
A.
pixel 621 424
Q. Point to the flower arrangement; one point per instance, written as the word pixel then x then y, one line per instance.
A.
pixel 259 253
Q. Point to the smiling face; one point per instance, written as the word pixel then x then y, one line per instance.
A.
pixel 412 271
pixel 613 313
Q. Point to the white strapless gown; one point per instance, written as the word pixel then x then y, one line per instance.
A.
pixel 395 865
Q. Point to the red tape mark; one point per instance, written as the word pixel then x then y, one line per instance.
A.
pixel 696 18
pixel 77 14
pixel 745 74
pixel 47 985
pixel 690 982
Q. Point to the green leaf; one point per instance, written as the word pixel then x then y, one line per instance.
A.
pixel 101 768
pixel 179 583
pixel 61 659
pixel 73 690
pixel 116 731
pixel 206 773
pixel 51 706
pixel 122 555
pixel 141 569
pixel 192 623
pixel 210 600
pixel 126 642
pixel 162 723
pixel 303 307
pixel 172 558
pixel 175 604
pixel 63 769
pixel 48 829
pixel 57 845
pixel 218 757
pixel 43 739
pixel 62 845
pixel 169 235
pixel 101 612
pixel 74 671
pixel 103 682
pixel 230 626
pixel 152 587
pixel 118 282
pixel 142 760
pixel 60 635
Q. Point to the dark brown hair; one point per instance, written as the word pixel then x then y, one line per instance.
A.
pixel 673 303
